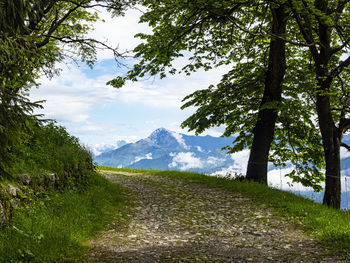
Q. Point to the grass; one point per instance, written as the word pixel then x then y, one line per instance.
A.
pixel 54 228
pixel 330 226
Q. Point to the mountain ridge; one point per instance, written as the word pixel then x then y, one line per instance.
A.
pixel 164 149
pixel 168 150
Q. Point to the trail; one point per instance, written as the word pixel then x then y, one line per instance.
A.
pixel 174 221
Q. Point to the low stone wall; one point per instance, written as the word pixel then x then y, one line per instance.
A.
pixel 13 195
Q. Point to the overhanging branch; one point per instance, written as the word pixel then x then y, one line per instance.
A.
pixel 344 125
pixel 345 146
pixel 91 42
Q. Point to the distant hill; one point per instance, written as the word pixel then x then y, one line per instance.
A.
pixel 168 150
pixel 102 148
pixel 165 149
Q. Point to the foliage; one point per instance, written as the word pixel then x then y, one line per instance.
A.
pixel 15 119
pixel 199 31
pixel 55 227
pixel 297 138
pixel 34 36
pixel 236 34
pixel 323 26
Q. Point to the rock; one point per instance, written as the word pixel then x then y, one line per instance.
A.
pixel 13 190
pixel 52 179
pixel 24 178
pixel 15 202
pixel 3 218
pixel 5 208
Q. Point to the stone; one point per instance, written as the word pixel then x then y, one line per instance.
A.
pixel 3 218
pixel 24 178
pixel 52 179
pixel 13 190
pixel 5 212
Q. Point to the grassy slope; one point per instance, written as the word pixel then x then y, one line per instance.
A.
pixel 55 227
pixel 331 227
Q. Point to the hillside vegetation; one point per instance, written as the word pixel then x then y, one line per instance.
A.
pixel 50 149
pixel 52 200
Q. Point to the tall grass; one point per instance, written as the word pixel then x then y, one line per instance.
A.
pixel 51 149
pixel 54 228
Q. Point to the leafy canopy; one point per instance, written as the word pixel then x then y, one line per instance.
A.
pixel 34 36
pixel 234 34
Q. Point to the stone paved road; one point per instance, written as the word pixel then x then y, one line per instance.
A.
pixel 174 221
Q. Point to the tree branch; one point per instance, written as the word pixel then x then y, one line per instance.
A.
pixel 90 42
pixel 306 32
pixel 345 146
pixel 345 42
pixel 344 125
pixel 340 68
pixel 37 18
pixel 55 24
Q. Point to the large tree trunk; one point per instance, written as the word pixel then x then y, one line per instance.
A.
pixel 331 144
pixel 332 192
pixel 265 126
pixel 331 135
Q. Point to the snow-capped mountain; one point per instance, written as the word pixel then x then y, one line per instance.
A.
pixel 103 147
pixel 165 149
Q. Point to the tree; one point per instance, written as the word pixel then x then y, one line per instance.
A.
pixel 321 28
pixel 265 126
pixel 296 137
pixel 218 33
pixel 324 27
pixel 34 35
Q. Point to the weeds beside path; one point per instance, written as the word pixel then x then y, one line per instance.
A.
pixel 177 221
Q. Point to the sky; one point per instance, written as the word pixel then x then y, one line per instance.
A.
pixel 97 114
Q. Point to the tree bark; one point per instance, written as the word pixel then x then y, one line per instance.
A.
pixel 265 126
pixel 331 135
pixel 331 139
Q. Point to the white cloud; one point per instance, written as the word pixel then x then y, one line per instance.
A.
pixel 148 156
pixel 102 147
pixel 214 161
pixel 185 161
pixel 346 172
pixel 118 31
pixel 70 96
pixel 179 139
pixel 240 160
pixel 228 171
pixel 277 179
pixel 344 153
pixel 168 92
pixel 103 129
pixel 99 148
pixel 154 95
